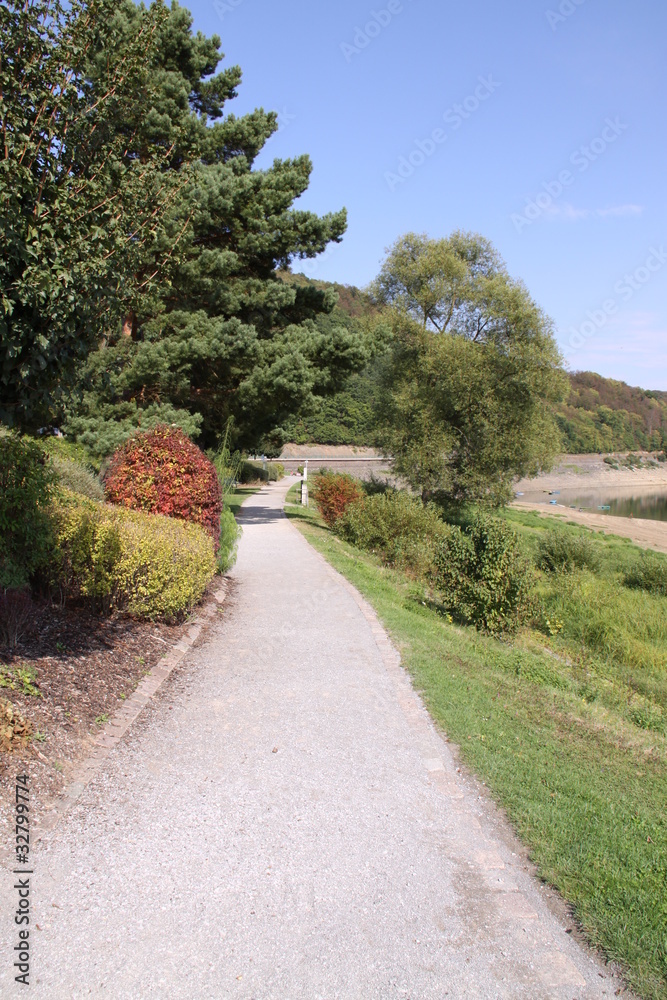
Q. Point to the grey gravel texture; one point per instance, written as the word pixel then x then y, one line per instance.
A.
pixel 284 822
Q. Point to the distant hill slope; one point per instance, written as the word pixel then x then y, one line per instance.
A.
pixel 600 414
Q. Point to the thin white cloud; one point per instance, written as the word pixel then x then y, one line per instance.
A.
pixel 616 210
pixel 567 211
pixel 573 214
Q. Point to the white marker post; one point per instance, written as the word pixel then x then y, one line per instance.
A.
pixel 304 485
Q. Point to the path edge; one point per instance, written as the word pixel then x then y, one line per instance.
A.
pixel 123 718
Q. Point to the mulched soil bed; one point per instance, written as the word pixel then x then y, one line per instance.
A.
pixel 84 664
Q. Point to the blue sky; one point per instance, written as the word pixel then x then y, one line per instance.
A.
pixel 538 123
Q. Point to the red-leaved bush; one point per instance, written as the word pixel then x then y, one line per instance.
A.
pixel 334 492
pixel 163 472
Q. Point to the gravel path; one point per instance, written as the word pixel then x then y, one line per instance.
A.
pixel 285 823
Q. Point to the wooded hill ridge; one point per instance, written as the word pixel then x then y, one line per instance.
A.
pixel 600 414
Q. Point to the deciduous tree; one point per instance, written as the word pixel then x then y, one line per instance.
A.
pixel 83 211
pixel 474 374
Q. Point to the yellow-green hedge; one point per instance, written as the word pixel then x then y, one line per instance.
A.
pixel 148 565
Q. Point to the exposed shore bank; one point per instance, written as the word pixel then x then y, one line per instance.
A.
pixel 583 472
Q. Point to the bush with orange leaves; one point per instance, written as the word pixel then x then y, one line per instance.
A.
pixel 334 492
pixel 163 472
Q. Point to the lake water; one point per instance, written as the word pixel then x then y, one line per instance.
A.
pixel 625 501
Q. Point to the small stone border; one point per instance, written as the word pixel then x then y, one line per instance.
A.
pixel 130 710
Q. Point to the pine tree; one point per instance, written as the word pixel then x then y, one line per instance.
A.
pixel 227 336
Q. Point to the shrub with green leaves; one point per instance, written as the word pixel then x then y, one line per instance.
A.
pixel 564 551
pixel 483 575
pixel 396 526
pixel 146 564
pixel 64 448
pixel 649 573
pixel 333 493
pixel 254 472
pixel 26 481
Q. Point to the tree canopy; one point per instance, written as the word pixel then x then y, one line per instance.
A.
pixel 475 370
pixel 226 336
pixel 87 217
pixel 140 277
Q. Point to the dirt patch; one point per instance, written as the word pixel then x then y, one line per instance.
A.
pixel 70 673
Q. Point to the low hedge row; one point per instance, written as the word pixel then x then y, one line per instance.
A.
pixel 148 565
pixel 254 472
pixel 479 574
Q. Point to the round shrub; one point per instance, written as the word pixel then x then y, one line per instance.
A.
pixel 333 493
pixel 124 560
pixel 163 472
pixel 484 576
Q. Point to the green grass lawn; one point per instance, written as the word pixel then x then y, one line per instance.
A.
pixel 552 735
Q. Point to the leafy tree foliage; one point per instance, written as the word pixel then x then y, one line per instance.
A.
pixel 82 207
pixel 475 371
pixel 227 336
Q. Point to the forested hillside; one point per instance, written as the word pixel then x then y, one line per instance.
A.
pixel 600 414
pixel 604 415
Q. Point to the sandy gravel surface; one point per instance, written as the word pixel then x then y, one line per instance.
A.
pixel 284 823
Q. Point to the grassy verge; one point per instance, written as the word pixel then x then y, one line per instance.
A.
pixel 584 787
